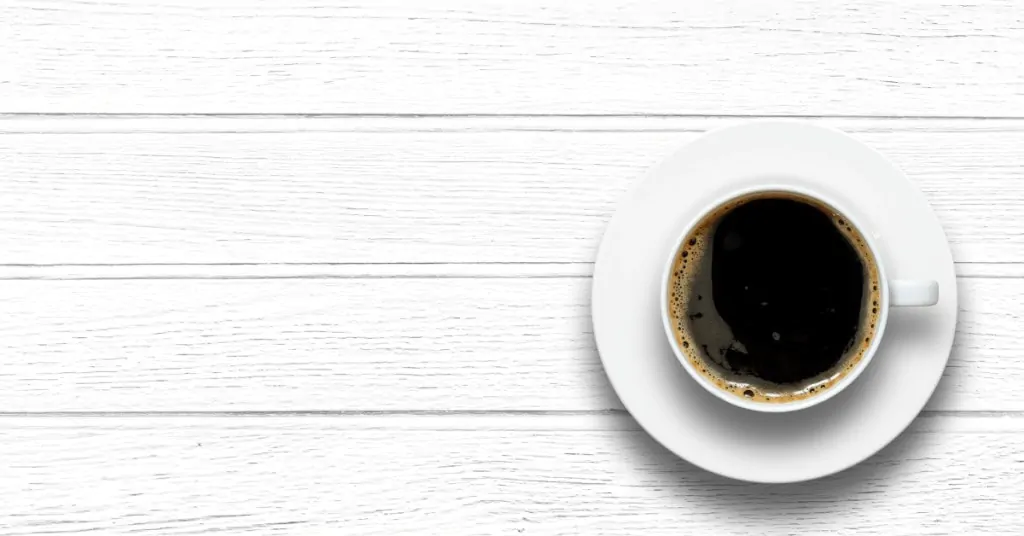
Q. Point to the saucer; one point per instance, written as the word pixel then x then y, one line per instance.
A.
pixel 682 415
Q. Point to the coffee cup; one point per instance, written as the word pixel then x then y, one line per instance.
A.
pixel 775 298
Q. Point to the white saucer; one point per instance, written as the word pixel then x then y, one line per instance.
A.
pixel 735 442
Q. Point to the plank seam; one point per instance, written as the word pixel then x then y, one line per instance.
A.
pixel 400 115
pixel 422 413
pixel 406 270
pixel 45 124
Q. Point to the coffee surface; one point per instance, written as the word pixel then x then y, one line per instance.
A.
pixel 789 285
pixel 774 296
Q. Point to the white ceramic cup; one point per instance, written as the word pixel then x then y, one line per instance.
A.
pixel 893 293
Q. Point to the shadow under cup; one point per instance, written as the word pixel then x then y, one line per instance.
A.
pixel 773 297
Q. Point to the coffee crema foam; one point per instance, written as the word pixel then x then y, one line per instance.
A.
pixel 694 256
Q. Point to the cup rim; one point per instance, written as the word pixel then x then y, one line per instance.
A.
pixel 817 398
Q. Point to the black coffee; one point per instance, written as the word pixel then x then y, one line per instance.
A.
pixel 773 295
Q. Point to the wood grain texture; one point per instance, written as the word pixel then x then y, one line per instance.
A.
pixel 540 56
pixel 489 475
pixel 388 344
pixel 309 319
pixel 383 194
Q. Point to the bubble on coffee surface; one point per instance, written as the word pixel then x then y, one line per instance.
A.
pixel 691 303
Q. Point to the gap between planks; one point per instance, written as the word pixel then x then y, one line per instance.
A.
pixel 497 270
pixel 927 421
pixel 299 123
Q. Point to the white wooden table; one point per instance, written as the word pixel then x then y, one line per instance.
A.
pixel 321 267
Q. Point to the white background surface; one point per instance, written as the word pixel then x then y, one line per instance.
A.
pixel 310 267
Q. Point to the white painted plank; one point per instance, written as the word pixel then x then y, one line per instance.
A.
pixel 108 272
pixel 329 475
pixel 490 56
pixel 398 344
pixel 372 196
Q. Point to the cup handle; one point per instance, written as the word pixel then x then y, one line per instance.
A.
pixel 913 293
